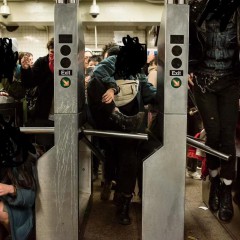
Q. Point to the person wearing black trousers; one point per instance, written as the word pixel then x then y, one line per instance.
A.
pixel 214 72
pixel 101 89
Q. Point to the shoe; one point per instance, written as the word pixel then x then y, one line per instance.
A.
pixel 106 191
pixel 123 209
pixel 214 194
pixel 225 212
pixel 127 123
pixel 194 175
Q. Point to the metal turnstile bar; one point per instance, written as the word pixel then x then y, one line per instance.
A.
pixel 37 130
pixel 140 136
pixel 45 130
pixel 197 144
pixel 190 141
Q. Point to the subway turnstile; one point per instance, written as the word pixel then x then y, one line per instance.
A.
pixel 64 172
pixel 164 171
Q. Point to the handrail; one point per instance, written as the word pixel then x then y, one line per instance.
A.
pixel 47 130
pixel 140 136
pixel 190 140
pixel 197 144
pixel 37 130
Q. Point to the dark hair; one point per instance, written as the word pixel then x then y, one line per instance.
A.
pixel 50 44
pixel 95 58
pixel 107 47
pixel 131 57
pixel 113 51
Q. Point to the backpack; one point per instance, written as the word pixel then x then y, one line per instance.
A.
pixel 14 145
pixel 8 59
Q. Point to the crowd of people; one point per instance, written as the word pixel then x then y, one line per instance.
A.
pixel 120 96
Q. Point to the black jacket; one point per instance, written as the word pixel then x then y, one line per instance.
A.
pixel 41 76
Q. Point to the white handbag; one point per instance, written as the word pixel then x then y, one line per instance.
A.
pixel 128 90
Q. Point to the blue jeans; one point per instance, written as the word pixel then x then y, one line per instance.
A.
pixel 219 112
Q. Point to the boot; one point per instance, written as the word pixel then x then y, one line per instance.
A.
pixel 123 210
pixel 214 194
pixel 106 191
pixel 225 212
pixel 127 123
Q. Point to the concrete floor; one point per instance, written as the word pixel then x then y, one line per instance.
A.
pixel 199 224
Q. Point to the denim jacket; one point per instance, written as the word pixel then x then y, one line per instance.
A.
pixel 224 55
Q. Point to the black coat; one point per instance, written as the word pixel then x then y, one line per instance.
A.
pixel 41 76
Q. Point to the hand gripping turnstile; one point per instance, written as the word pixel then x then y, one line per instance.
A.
pixel 164 171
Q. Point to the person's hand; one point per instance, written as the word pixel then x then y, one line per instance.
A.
pixel 190 79
pixel 87 79
pixel 26 62
pixel 2 93
pixel 108 96
pixel 6 189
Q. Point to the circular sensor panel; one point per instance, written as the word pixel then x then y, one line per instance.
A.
pixel 65 50
pixel 65 62
pixel 176 50
pixel 176 62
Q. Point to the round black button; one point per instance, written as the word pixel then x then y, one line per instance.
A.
pixel 65 50
pixel 176 50
pixel 65 62
pixel 176 62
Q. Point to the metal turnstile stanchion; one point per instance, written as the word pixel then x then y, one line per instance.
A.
pixel 164 171
pixel 64 172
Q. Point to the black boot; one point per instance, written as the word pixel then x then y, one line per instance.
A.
pixel 225 212
pixel 127 123
pixel 123 210
pixel 214 194
pixel 106 191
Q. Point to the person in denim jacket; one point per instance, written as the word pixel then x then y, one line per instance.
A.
pixel 126 64
pixel 214 72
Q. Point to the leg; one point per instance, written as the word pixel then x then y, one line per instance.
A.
pixel 228 112
pixel 127 175
pixel 106 116
pixel 208 107
pixel 228 108
pixel 109 167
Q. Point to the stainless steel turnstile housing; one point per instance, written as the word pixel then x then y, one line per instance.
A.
pixel 164 171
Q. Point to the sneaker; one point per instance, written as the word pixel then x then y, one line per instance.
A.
pixel 194 175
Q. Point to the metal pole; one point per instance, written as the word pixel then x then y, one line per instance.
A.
pixel 47 130
pixel 195 143
pixel 190 141
pixel 139 136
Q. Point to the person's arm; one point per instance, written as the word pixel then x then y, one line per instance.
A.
pixel 152 77
pixel 148 91
pixel 18 197
pixel 105 70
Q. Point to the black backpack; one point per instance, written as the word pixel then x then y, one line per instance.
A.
pixel 14 145
pixel 8 59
